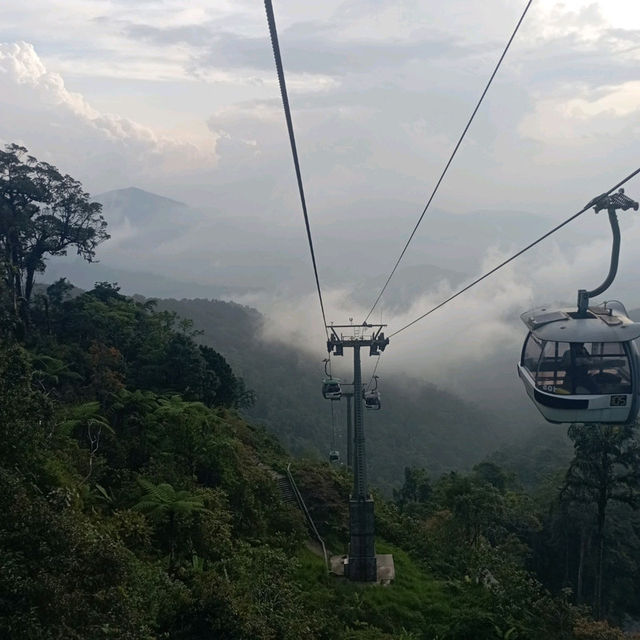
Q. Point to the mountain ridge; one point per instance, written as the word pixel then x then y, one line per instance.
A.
pixel 140 194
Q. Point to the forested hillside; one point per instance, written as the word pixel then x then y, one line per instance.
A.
pixel 138 504
pixel 420 424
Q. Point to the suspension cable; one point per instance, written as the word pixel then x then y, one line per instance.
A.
pixel 519 253
pixel 375 368
pixel 453 153
pixel 333 429
pixel 287 112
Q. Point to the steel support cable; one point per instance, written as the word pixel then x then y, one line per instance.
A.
pixel 333 429
pixel 451 157
pixel 519 253
pixel 375 368
pixel 287 113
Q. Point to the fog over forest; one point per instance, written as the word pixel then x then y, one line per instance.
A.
pixel 469 347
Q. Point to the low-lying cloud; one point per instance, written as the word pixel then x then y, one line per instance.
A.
pixel 462 341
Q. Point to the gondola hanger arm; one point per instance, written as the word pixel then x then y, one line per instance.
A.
pixel 612 203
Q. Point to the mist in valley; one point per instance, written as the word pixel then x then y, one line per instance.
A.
pixel 468 348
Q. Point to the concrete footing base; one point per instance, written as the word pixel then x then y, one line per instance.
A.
pixel 385 573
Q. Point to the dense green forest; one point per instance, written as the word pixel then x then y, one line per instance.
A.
pixel 138 502
pixel 451 434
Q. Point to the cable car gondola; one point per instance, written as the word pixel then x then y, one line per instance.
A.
pixel 372 400
pixel 334 456
pixel 372 397
pixel 581 369
pixel 582 365
pixel 331 388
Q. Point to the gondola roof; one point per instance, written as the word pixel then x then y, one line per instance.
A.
pixel 561 325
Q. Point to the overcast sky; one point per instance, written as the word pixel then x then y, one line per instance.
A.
pixel 180 97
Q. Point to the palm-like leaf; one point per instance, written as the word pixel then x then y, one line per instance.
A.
pixel 162 499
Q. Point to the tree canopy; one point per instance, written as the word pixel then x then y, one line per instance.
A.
pixel 42 213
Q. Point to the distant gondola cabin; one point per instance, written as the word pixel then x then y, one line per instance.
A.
pixel 581 368
pixel 372 400
pixel 331 388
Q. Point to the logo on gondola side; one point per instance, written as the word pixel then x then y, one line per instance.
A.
pixel 618 401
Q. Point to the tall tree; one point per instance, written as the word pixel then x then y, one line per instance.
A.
pixel 25 413
pixel 162 502
pixel 415 493
pixel 605 468
pixel 42 213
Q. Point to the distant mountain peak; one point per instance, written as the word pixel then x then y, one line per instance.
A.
pixel 135 195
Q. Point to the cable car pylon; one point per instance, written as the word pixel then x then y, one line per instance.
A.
pixel 362 564
pixel 349 396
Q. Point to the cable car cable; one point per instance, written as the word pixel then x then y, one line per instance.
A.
pixel 453 153
pixel 287 112
pixel 334 454
pixel 333 429
pixel 375 368
pixel 519 253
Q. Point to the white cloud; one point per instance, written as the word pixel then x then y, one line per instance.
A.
pixel 621 100
pixel 585 120
pixel 103 150
pixel 469 346
pixel 591 136
pixel 24 75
